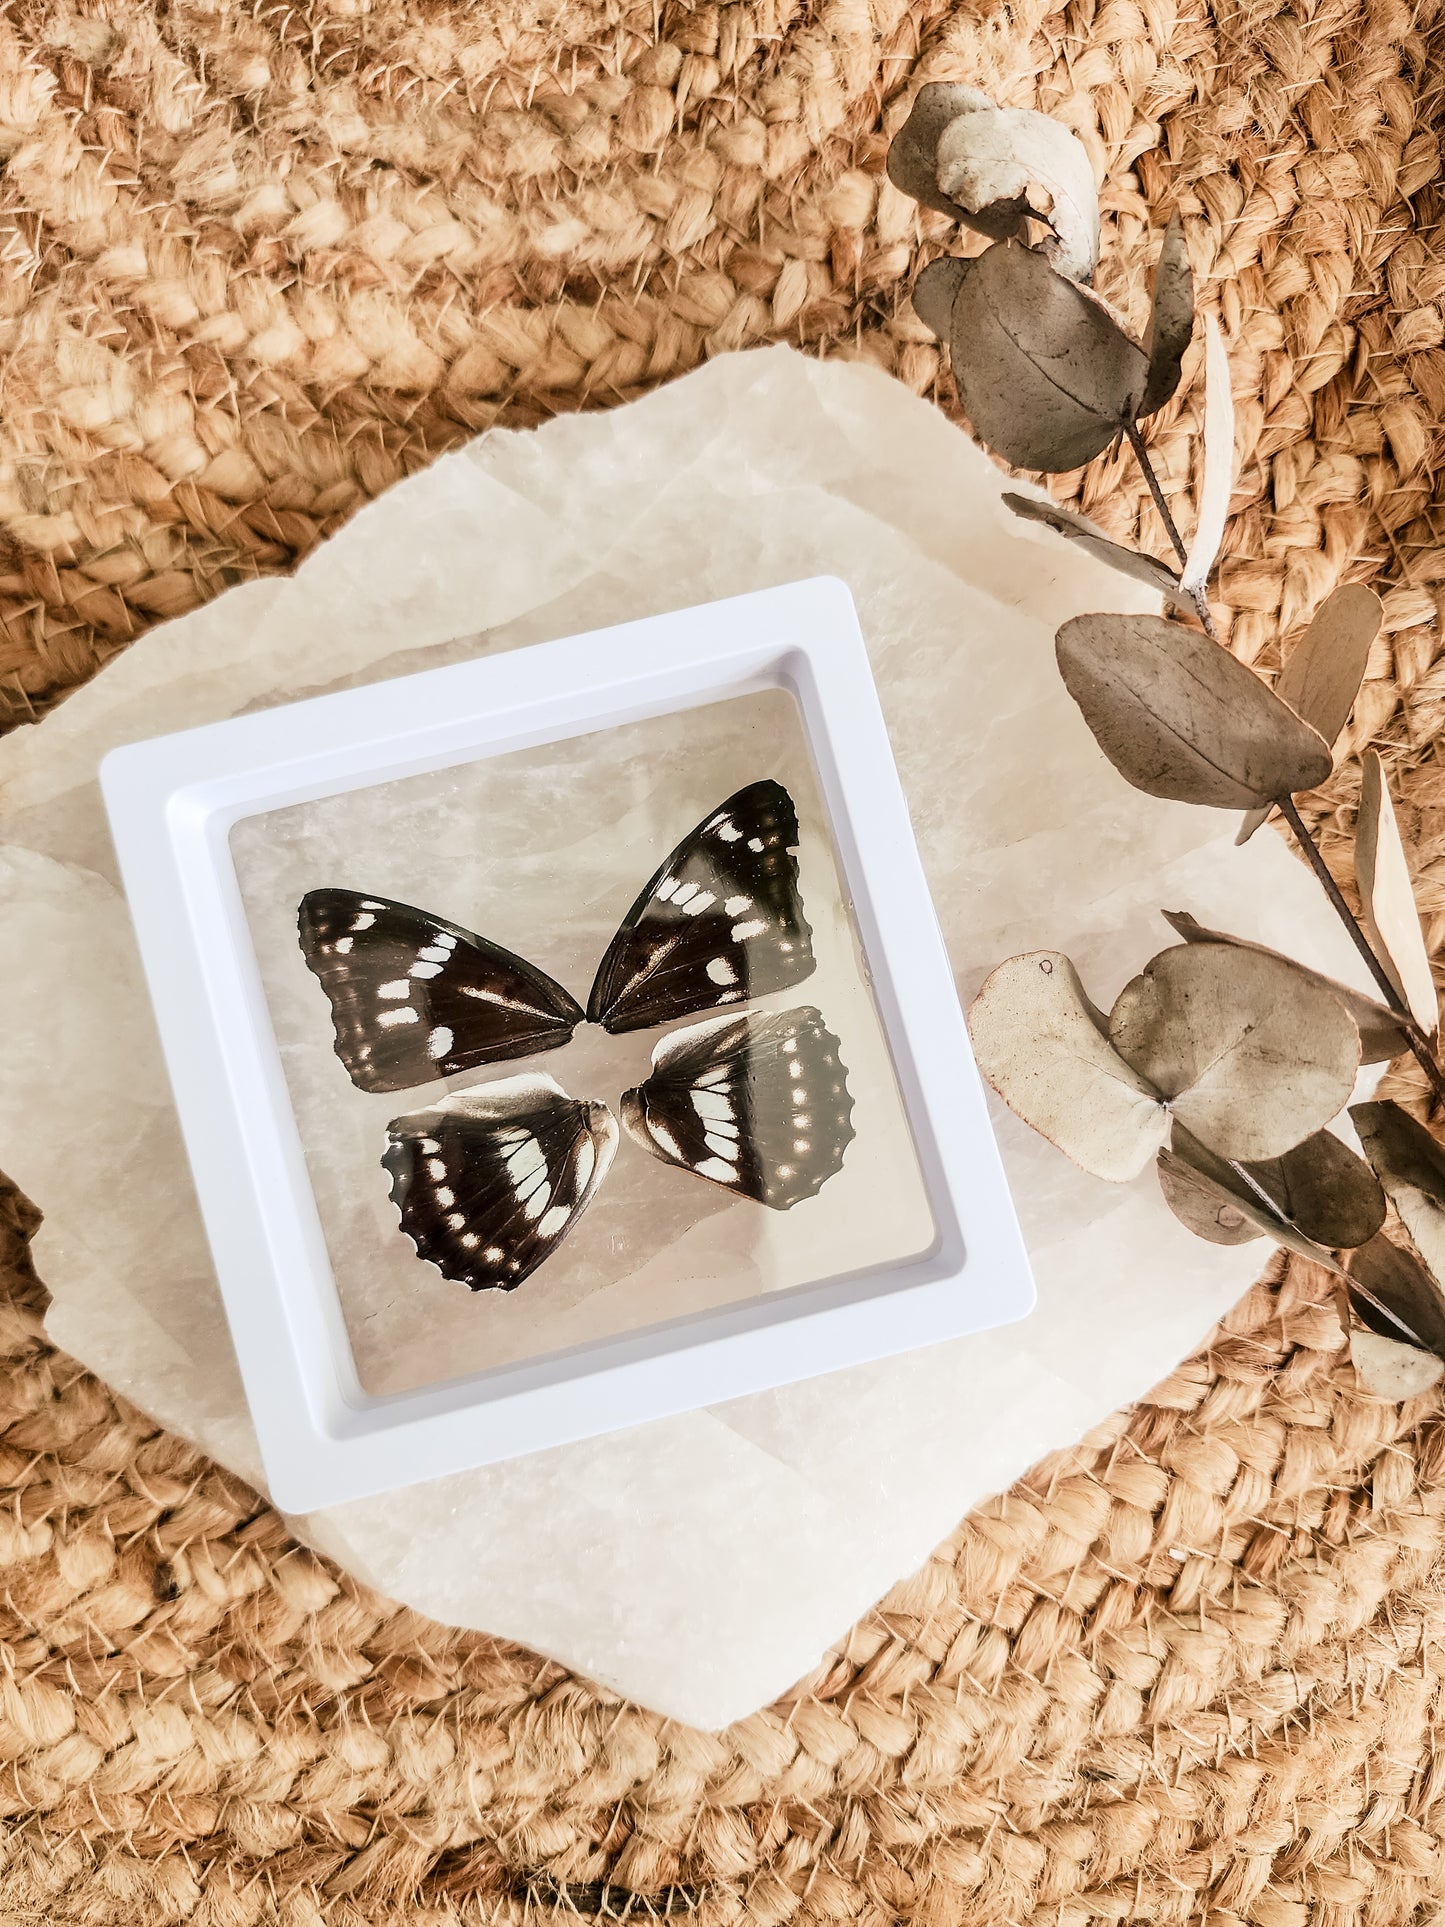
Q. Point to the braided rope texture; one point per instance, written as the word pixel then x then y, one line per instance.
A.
pixel 262 259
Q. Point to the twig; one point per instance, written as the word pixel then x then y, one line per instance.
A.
pixel 1141 455
pixel 1415 1037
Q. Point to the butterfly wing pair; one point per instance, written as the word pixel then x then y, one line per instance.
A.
pixel 414 998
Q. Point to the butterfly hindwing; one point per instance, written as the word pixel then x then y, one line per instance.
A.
pixel 489 1181
pixel 414 997
pixel 721 921
pixel 758 1103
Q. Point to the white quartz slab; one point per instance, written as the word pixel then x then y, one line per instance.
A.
pixel 703 1563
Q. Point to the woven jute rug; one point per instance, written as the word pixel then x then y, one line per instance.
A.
pixel 258 262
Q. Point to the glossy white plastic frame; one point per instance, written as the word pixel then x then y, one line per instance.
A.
pixel 172 802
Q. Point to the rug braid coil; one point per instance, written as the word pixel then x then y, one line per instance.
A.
pixel 259 262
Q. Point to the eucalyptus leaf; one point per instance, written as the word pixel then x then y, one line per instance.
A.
pixel 991 157
pixel 1410 1163
pixel 1180 718
pixel 1218 480
pixel 1381 1034
pixel 1044 1048
pixel 1045 373
pixel 1078 528
pixel 1387 896
pixel 1323 672
pixel 1223 1202
pixel 1390 1369
pixel 935 290
pixel 1251 1057
pixel 1328 1194
pixel 912 163
pixel 1391 1293
pixel 1171 319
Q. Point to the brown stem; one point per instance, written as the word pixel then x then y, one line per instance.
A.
pixel 1141 455
pixel 1415 1037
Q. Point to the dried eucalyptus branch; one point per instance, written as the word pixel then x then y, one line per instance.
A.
pixel 1223 1062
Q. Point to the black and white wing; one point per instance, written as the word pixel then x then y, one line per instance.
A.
pixel 490 1181
pixel 414 997
pixel 719 923
pixel 758 1103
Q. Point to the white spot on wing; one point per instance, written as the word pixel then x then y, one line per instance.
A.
pixel 684 893
pixel 342 946
pixel 436 1168
pixel 721 971
pixel 364 921
pixel 756 843
pixel 398 987
pixel 755 928
pixel 666 888
pixel 661 1135
pixel 712 1104
pixel 699 903
pixel 457 1220
pixel 526 1161
pixel 538 1202
pixel 554 1221
pixel 735 906
pixel 718 1168
pixel 388 1018
pixel 425 970
pixel 446 1197
pixel 439 1043
pixel 586 1164
pixel 729 831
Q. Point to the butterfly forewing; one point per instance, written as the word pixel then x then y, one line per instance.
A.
pixel 491 1180
pixel 719 923
pixel 414 997
pixel 758 1103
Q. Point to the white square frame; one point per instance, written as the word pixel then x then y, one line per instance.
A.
pixel 172 802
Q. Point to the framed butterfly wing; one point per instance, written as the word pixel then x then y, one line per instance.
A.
pixel 414 997
pixel 720 922
pixel 489 1181
pixel 758 1103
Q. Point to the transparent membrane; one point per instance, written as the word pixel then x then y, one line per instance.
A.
pixel 543 851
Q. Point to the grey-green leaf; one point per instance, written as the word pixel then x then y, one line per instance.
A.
pixel 1223 1204
pixel 935 290
pixel 1251 1058
pixel 1078 528
pixel 1382 1036
pixel 1171 319
pixel 1180 718
pixel 1045 374
pixel 1410 1163
pixel 1324 1191
pixel 1387 897
pixel 1044 1047
pixel 1391 1293
pixel 1323 672
pixel 912 163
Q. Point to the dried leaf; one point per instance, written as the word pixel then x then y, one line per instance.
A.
pixel 1323 672
pixel 1171 319
pixel 1251 1057
pixel 1078 528
pixel 1381 1035
pixel 1391 1293
pixel 912 163
pixel 1328 1194
pixel 1410 1162
pixel 1044 1048
pixel 1210 1209
pixel 935 290
pixel 991 157
pixel 1216 1201
pixel 1391 1370
pixel 1044 372
pixel 1218 481
pixel 1382 875
pixel 1179 717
